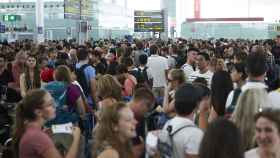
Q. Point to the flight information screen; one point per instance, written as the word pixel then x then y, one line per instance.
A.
pixel 148 21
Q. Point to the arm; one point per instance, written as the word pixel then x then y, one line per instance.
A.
pixel 22 85
pixel 203 121
pixel 168 106
pixel 213 115
pixel 73 150
pixel 93 89
pixel 138 150
pixel 81 107
pixel 204 108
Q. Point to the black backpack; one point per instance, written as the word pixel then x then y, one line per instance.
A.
pixel 142 77
pixel 179 61
pixel 272 76
pixel 81 78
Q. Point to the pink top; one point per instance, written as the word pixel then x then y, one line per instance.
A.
pixel 129 85
pixel 34 143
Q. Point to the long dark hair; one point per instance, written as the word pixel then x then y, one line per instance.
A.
pixel 221 86
pixel 222 139
pixel 36 78
pixel 25 111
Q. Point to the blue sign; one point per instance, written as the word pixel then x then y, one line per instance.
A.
pixel 2 28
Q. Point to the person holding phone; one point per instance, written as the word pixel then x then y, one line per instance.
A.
pixel 29 140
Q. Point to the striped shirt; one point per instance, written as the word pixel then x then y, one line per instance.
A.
pixel 207 76
pixel 188 70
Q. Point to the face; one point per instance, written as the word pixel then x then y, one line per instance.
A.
pixel 267 134
pixel 235 76
pixel 201 62
pixel 278 40
pixel 127 123
pixel 44 63
pixel 31 62
pixel 48 111
pixel 110 57
pixel 52 55
pixel 192 55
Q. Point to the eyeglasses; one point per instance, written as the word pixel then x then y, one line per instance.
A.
pixel 31 61
pixel 50 103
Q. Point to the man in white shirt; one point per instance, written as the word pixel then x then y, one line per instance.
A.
pixel 203 70
pixel 159 68
pixel 256 69
pixel 188 67
pixel 188 137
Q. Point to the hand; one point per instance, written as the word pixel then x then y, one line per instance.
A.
pixel 168 87
pixel 76 133
pixel 204 105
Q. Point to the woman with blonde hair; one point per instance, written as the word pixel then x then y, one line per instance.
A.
pixel 113 135
pixel 249 103
pixel 108 90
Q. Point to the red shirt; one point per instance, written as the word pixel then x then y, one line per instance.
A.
pixel 34 143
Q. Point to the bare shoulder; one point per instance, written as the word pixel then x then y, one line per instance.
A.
pixel 112 153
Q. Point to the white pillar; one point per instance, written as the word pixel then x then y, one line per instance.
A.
pixel 163 6
pixel 40 21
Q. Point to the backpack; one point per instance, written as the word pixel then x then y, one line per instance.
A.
pixel 272 76
pixel 165 144
pixel 142 77
pixel 179 61
pixel 81 78
pixel 64 114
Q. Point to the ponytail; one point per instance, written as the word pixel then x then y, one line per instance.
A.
pixel 19 128
pixel 25 111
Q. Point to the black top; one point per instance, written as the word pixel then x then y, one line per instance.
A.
pixel 5 78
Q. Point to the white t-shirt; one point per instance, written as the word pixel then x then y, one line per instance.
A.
pixel 274 98
pixel 208 76
pixel 188 70
pixel 158 66
pixel 187 140
pixel 252 153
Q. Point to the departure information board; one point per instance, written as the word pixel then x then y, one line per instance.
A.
pixel 148 21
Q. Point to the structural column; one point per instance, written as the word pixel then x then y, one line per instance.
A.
pixel 197 9
pixel 40 21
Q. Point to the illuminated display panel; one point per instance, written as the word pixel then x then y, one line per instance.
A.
pixel 148 21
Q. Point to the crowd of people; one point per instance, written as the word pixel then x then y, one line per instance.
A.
pixel 179 98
